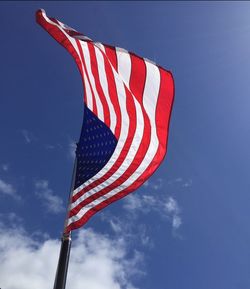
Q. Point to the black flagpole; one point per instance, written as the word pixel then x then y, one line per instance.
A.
pixel 62 267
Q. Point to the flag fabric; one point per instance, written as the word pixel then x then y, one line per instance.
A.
pixel 127 106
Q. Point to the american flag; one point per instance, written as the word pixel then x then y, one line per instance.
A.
pixel 127 106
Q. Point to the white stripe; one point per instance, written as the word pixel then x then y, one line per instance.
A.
pixel 100 46
pixel 124 65
pixel 133 149
pixel 99 106
pixel 104 84
pixel 150 98
pixel 89 95
pixel 64 26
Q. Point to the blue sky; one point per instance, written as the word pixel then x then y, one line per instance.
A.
pixel 188 227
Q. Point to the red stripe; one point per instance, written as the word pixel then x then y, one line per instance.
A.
pixel 138 77
pixel 94 69
pixel 166 97
pixel 164 107
pixel 111 54
pixel 112 93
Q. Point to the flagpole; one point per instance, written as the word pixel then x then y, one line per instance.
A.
pixel 62 267
pixel 63 262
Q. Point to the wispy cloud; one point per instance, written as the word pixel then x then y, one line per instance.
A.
pixel 154 185
pixel 132 202
pixel 72 149
pixel 49 147
pixel 181 182
pixel 53 203
pixel 177 221
pixel 97 261
pixel 144 203
pixel 12 219
pixel 187 184
pixel 163 206
pixel 8 189
pixel 173 210
pixel 5 167
pixel 53 146
pixel 146 184
pixel 129 227
pixel 126 228
pixel 151 200
pixel 27 135
pixel 157 184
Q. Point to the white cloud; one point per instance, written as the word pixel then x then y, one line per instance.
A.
pixel 126 228
pixel 149 200
pixel 116 226
pixel 8 189
pixel 176 221
pixel 5 167
pixel 72 149
pixel 154 184
pixel 136 203
pixel 28 136
pixel 143 203
pixel 96 261
pixel 165 207
pixel 171 206
pixel 180 181
pixel 132 202
pixel 56 146
pixel 50 147
pixel 173 210
pixel 12 219
pixel 187 183
pixel 157 184
pixel 176 180
pixel 53 203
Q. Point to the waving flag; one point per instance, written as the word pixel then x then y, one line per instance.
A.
pixel 127 106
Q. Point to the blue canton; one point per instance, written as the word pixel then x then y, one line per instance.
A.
pixel 94 149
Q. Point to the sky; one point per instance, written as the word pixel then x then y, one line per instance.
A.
pixel 187 227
